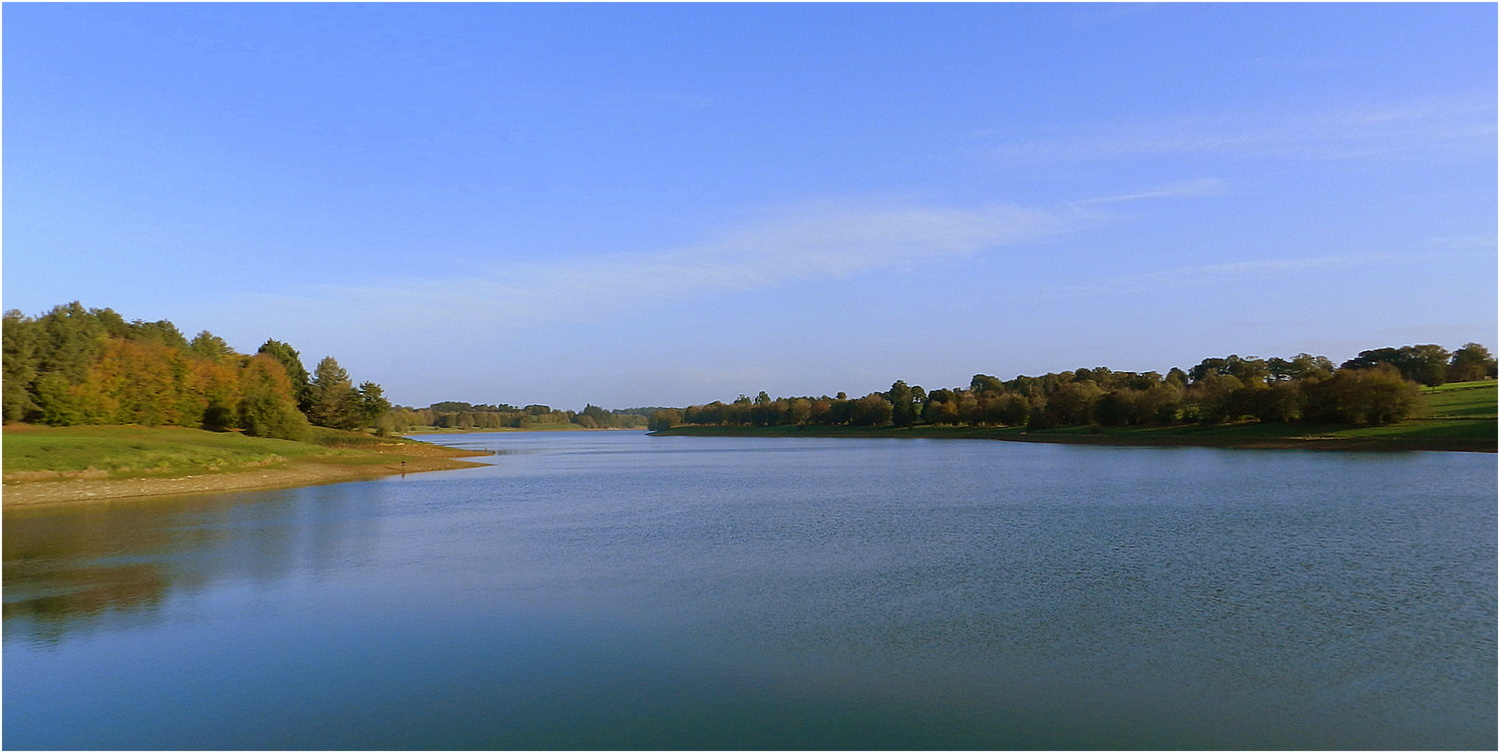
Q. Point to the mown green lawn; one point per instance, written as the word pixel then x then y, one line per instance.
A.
pixel 1461 400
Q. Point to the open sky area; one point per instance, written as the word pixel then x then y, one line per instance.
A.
pixel 670 204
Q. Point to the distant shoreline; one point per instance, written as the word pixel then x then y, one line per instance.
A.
pixel 427 430
pixel 1244 436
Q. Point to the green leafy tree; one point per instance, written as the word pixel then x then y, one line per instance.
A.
pixel 208 346
pixel 903 404
pixel 984 383
pixel 373 406
pixel 162 332
pixel 1072 404
pixel 1013 409
pixel 593 417
pixel 21 338
pixel 1245 370
pixel 1424 364
pixel 1471 363
pixel 1377 394
pixel 291 362
pixel 72 339
pixel 1300 366
pixel 268 407
pixel 664 419
pixel 871 410
pixel 334 402
pixel 1212 397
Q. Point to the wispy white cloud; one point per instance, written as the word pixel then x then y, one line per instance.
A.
pixel 823 242
pixel 1206 276
pixel 1406 131
pixel 1181 190
pixel 1480 242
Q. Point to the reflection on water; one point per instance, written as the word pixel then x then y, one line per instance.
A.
pixel 620 591
pixel 68 569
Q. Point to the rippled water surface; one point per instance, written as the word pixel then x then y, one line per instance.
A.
pixel 613 590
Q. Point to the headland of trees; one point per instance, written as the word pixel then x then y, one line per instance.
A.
pixel 116 407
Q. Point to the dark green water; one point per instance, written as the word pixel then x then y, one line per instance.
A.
pixel 611 590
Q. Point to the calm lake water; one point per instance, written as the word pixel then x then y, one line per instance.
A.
pixel 613 590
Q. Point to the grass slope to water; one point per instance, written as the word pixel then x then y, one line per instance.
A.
pixel 1457 417
pixel 54 464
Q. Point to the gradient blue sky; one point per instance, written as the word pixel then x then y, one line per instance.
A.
pixel 671 204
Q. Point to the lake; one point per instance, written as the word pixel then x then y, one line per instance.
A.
pixel 610 590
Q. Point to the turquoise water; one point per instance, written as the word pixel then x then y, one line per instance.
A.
pixel 613 590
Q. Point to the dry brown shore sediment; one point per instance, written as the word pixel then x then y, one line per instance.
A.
pixel 409 459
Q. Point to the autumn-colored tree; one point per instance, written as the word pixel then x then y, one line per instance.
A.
pixel 268 407
pixel 216 386
pixel 291 362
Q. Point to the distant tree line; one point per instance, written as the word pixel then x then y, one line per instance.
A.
pixel 90 366
pixel 1376 387
pixel 459 415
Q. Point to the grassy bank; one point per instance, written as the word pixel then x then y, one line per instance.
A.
pixel 52 464
pixel 1459 417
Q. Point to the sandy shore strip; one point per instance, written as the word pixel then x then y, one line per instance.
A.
pixel 299 474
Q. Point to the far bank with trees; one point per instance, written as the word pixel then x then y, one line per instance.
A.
pixel 1379 387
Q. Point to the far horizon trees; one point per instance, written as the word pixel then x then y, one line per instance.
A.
pixel 1370 389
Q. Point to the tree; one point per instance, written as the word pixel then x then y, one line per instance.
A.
pixel 1213 397
pixel 21 336
pixel 1299 367
pixel 1424 364
pixel 291 362
pixel 373 406
pixel 870 410
pixel 269 407
pixel 211 347
pixel 1246 370
pixel 903 404
pixel 664 419
pixel 1471 363
pixel 1012 409
pixel 71 340
pixel 1377 394
pixel 593 417
pixel 984 383
pixel 1072 404
pixel 333 401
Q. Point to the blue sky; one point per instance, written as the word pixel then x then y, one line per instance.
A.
pixel 671 204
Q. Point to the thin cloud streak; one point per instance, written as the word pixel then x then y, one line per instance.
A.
pixel 1217 274
pixel 1185 189
pixel 818 243
pixel 1424 130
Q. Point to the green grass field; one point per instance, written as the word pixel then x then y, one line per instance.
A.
pixel 132 451
pixel 1461 400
